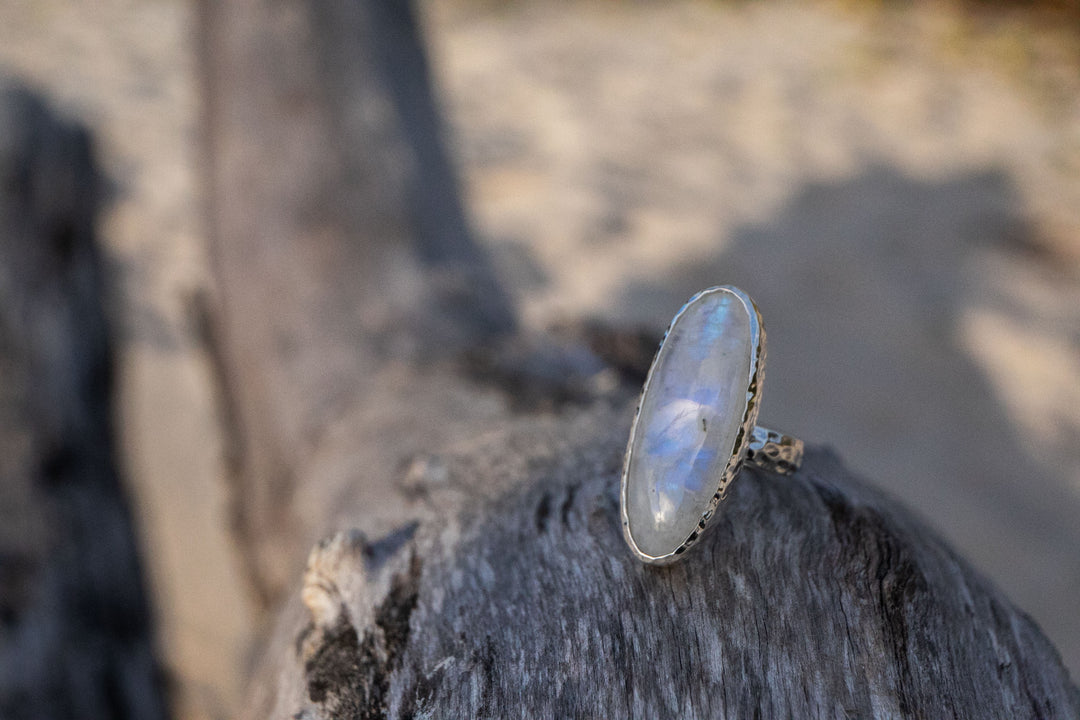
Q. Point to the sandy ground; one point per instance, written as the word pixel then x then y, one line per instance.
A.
pixel 898 189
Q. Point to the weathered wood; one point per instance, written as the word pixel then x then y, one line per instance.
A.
pixel 479 570
pixel 76 637
pixel 325 169
pixel 515 596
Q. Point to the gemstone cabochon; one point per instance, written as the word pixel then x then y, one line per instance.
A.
pixel 689 419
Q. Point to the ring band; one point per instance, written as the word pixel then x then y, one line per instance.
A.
pixel 774 452
pixel 694 428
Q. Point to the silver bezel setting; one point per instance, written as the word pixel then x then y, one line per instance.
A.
pixel 738 453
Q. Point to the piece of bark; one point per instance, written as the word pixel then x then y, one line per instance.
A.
pixel 76 638
pixel 814 596
pixel 337 239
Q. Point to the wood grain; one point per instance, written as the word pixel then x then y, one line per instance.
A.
pixel 815 596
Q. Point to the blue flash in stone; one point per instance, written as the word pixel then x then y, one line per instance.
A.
pixel 683 445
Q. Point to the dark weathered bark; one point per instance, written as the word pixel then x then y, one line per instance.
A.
pixel 516 597
pixel 75 629
pixel 499 584
pixel 325 170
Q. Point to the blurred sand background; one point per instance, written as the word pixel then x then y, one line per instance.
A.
pixel 897 187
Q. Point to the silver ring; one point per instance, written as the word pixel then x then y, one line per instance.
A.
pixel 694 428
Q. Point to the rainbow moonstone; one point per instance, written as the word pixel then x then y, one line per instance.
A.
pixel 691 412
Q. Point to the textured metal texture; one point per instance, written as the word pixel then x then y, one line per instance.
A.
pixel 774 452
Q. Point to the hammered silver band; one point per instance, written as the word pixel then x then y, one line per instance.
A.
pixel 774 452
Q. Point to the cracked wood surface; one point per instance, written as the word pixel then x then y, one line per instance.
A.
pixel 513 595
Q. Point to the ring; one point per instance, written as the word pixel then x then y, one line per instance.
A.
pixel 694 428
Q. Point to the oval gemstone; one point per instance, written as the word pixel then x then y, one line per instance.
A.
pixel 689 419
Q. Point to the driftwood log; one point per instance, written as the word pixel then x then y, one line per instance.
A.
pixel 463 474
pixel 515 597
pixel 336 235
pixel 76 636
